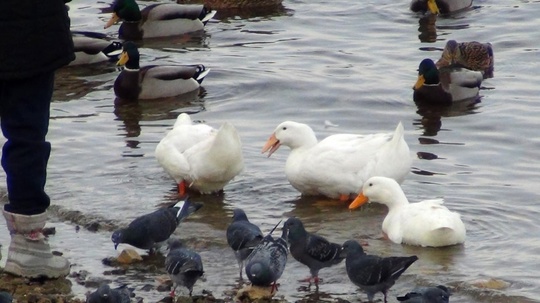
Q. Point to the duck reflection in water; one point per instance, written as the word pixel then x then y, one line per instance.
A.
pixel 132 113
pixel 427 28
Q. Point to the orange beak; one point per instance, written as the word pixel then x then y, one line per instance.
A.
pixel 359 201
pixel 271 145
pixel 113 20
pixel 433 8
pixel 421 80
pixel 124 57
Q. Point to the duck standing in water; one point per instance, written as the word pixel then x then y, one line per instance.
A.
pixel 199 157
pixel 337 166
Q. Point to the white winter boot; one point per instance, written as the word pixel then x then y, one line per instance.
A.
pixel 29 254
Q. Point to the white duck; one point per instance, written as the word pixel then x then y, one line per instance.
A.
pixel 426 223
pixel 200 157
pixel 337 166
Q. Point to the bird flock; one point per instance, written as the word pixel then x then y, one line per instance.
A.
pixel 355 168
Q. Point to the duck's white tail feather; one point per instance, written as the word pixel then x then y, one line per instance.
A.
pixel 398 135
pixel 202 75
pixel 209 16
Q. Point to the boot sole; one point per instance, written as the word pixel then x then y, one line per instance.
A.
pixel 34 272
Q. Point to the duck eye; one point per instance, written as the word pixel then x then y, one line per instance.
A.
pixel 284 128
pixel 370 184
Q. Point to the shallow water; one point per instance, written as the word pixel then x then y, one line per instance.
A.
pixel 346 62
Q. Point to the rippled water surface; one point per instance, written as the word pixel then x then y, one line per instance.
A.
pixel 349 62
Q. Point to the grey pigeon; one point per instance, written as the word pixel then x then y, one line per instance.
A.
pixel 439 294
pixel 150 231
pixel 5 297
pixel 105 294
pixel 242 237
pixel 265 265
pixel 310 249
pixel 371 273
pixel 183 265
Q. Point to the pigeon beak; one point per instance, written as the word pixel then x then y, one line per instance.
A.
pixel 359 201
pixel 115 246
pixel 271 145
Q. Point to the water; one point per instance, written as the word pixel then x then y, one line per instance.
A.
pixel 347 62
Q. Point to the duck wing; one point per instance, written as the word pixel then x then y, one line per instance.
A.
pixel 171 11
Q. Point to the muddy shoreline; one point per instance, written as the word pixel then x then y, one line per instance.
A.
pixel 26 290
pixel 62 290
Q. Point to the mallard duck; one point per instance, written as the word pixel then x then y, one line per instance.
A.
pixel 444 86
pixel 440 6
pixel 227 5
pixel 471 55
pixel 158 20
pixel 426 223
pixel 337 166
pixel 91 47
pixel 154 81
pixel 200 157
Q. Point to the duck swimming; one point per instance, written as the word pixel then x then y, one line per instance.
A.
pixel 158 20
pixel 154 81
pixel 445 86
pixel 471 55
pixel 92 47
pixel 440 6
pixel 426 223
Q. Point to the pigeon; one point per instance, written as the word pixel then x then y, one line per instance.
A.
pixel 150 231
pixel 439 294
pixel 104 294
pixel 242 237
pixel 371 273
pixel 310 249
pixel 183 265
pixel 5 297
pixel 265 265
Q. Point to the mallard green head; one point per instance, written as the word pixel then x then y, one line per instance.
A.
pixel 427 73
pixel 129 56
pixel 126 10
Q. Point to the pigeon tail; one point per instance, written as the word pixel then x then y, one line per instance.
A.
pixel 401 264
pixel 275 227
pixel 185 209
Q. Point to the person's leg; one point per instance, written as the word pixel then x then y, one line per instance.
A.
pixel 24 110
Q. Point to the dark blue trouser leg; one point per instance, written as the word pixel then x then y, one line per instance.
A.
pixel 24 119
